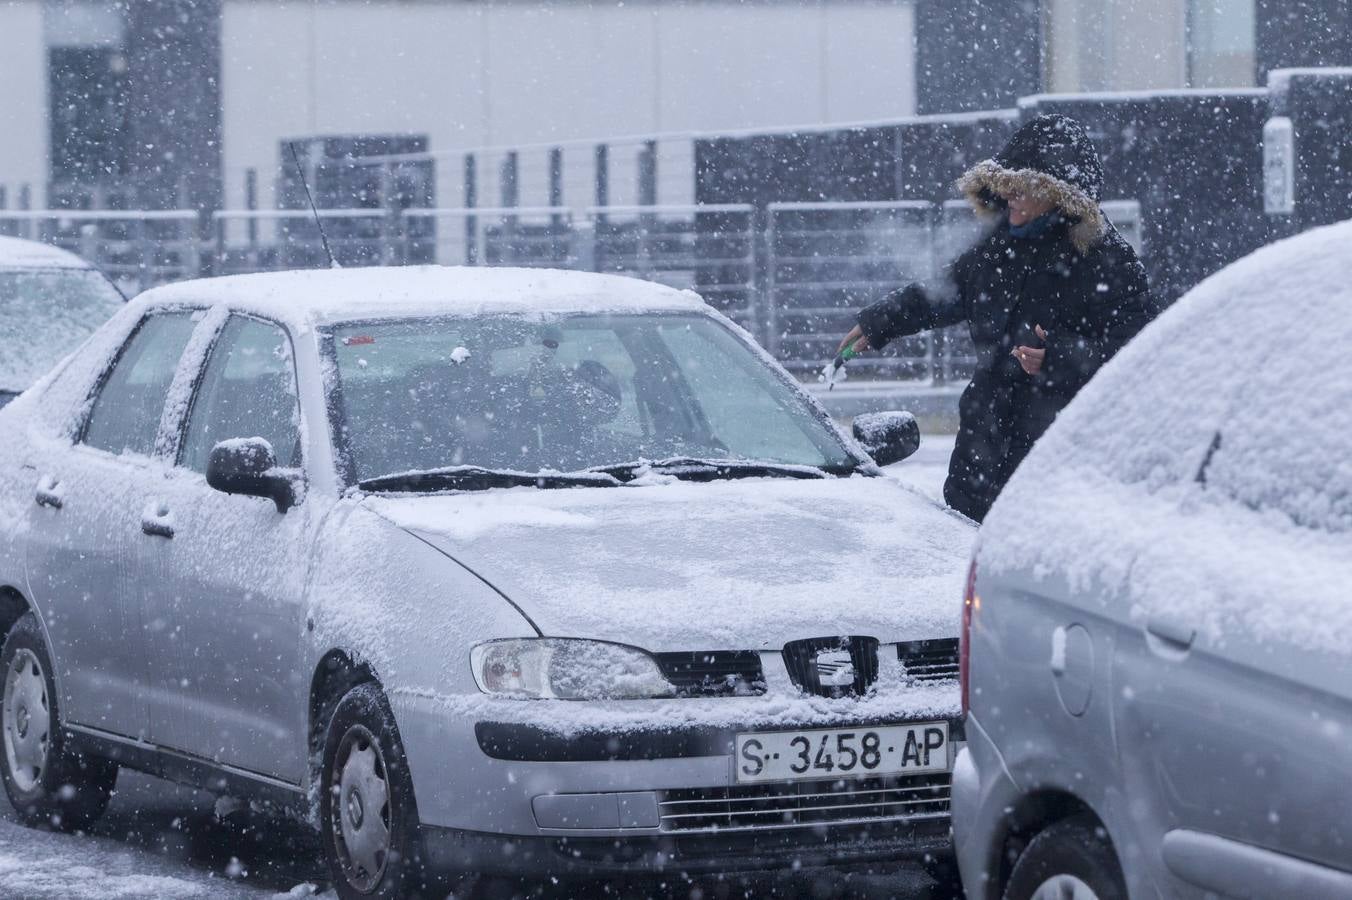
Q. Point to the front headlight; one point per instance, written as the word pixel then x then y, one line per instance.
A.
pixel 567 669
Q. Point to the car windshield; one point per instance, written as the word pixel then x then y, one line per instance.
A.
pixel 515 397
pixel 46 313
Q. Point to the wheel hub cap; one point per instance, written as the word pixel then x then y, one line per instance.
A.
pixel 1064 887
pixel 362 826
pixel 26 720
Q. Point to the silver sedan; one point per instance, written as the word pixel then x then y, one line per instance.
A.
pixel 480 570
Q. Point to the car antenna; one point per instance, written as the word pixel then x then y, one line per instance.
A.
pixel 300 170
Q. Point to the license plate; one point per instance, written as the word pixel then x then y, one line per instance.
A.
pixel 841 753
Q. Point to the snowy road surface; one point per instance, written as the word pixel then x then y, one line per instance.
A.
pixel 163 841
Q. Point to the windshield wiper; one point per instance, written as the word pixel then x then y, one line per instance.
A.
pixel 478 478
pixel 691 468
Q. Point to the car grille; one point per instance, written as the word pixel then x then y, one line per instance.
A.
pixel 714 673
pixel 784 805
pixel 804 661
pixel 935 660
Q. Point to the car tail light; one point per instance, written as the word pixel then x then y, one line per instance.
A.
pixel 970 603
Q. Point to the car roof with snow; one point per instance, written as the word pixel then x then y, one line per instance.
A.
pixel 331 295
pixel 17 253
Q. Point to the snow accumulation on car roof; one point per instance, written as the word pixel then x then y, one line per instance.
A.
pixel 17 253
pixel 329 295
pixel 1204 474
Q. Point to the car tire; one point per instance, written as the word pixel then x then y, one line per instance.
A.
pixel 1071 860
pixel 368 818
pixel 48 783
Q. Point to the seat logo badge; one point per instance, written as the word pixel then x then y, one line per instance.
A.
pixel 835 668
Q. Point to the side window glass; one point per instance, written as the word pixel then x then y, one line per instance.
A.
pixel 1287 449
pixel 126 412
pixel 248 390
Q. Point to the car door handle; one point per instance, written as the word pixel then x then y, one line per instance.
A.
pixel 1173 633
pixel 158 527
pixel 158 521
pixel 49 493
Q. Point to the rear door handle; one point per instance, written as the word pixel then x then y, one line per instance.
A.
pixel 1173 633
pixel 157 520
pixel 49 493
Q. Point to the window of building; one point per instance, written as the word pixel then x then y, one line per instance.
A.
pixel 1221 43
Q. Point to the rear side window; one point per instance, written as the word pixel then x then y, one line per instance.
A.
pixel 1288 448
pixel 247 390
pixel 126 412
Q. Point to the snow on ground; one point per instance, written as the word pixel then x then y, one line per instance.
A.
pixel 156 841
pixel 163 842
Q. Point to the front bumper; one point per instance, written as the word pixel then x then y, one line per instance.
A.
pixel 453 850
pixel 514 797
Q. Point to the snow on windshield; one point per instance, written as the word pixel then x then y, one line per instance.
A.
pixel 565 394
pixel 46 313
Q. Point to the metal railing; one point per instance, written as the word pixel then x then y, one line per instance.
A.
pixel 710 249
pixel 826 260
pixel 793 274
pixel 136 248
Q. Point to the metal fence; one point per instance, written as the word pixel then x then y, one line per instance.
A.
pixel 135 248
pixel 791 273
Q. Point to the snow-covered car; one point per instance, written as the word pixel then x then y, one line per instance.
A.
pixel 50 301
pixel 495 570
pixel 1158 637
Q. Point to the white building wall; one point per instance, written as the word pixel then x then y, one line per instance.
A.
pixel 508 73
pixel 23 101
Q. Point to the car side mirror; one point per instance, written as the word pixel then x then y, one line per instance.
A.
pixel 888 437
pixel 248 466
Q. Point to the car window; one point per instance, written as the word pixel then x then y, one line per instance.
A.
pixel 562 395
pixel 126 413
pixel 729 385
pixel 1288 448
pixel 582 347
pixel 46 313
pixel 248 389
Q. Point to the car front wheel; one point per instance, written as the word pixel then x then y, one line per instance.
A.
pixel 48 784
pixel 368 817
pixel 1071 860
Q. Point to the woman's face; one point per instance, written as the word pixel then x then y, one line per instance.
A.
pixel 1024 208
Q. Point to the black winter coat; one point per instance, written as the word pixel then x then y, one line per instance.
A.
pixel 1090 301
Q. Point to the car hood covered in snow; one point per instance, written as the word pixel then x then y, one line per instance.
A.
pixel 747 564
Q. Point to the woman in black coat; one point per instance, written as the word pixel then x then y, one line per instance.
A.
pixel 1050 293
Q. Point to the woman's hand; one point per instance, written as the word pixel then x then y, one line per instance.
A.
pixel 855 339
pixel 1032 358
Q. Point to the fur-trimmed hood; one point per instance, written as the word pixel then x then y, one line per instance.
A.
pixel 1051 158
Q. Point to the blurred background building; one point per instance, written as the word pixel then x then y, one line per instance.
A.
pixel 789 159
pixel 184 103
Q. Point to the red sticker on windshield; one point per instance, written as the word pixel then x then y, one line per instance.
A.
pixel 358 340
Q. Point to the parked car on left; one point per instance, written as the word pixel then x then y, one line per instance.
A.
pixel 493 570
pixel 50 301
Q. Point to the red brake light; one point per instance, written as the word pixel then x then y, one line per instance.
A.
pixel 970 602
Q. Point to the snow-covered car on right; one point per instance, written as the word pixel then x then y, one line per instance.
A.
pixel 1157 639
